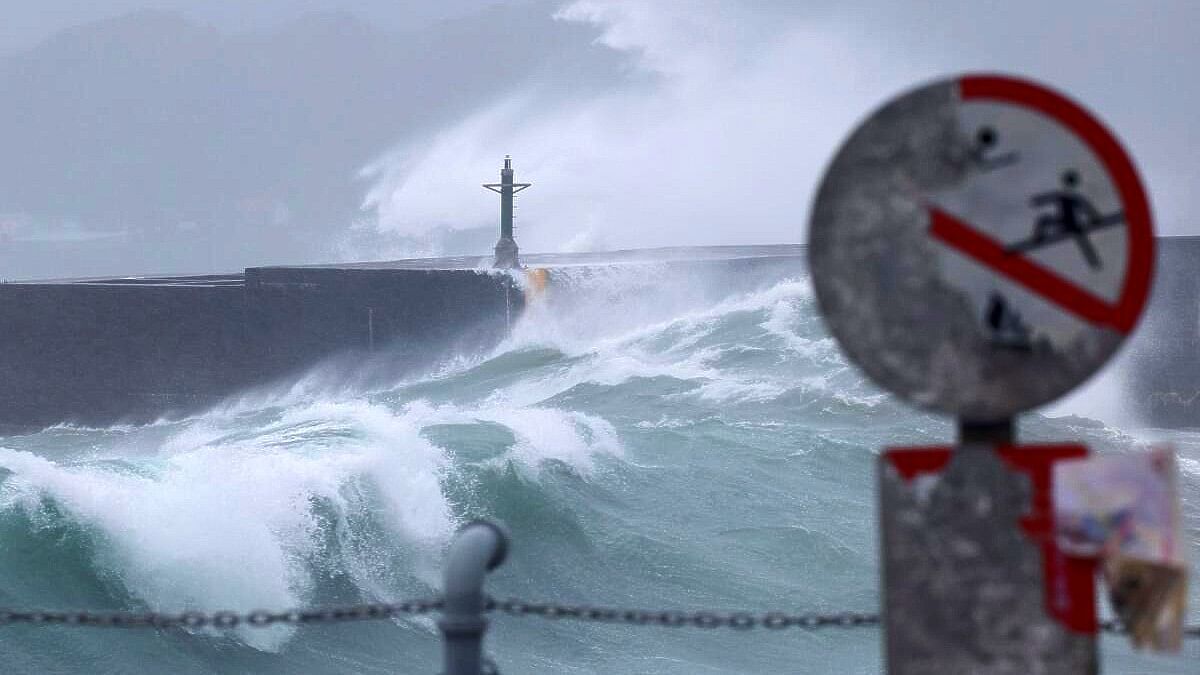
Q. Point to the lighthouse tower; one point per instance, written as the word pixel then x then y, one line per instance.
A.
pixel 506 248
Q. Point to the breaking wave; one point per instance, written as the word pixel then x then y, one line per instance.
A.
pixel 700 442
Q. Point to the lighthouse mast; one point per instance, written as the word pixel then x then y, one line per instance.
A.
pixel 506 247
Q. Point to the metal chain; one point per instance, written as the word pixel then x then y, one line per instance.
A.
pixel 670 618
pixel 224 619
pixel 736 620
pixel 511 607
pixel 1192 631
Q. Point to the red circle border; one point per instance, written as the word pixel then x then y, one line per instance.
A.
pixel 1140 271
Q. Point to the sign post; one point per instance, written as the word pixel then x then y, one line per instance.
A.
pixel 980 246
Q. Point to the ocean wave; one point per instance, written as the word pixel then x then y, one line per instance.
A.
pixel 699 344
pixel 231 524
pixel 235 513
pixel 245 505
pixel 1190 466
pixel 635 438
pixel 540 434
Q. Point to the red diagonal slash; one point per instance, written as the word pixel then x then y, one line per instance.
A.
pixel 1040 279
pixel 1123 315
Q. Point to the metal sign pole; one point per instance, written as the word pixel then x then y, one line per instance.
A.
pixel 963 577
pixel 980 246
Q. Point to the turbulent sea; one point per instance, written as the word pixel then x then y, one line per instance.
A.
pixel 652 437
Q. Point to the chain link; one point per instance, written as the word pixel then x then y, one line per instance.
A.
pixel 735 620
pixel 511 607
pixel 1114 626
pixel 224 619
pixel 676 619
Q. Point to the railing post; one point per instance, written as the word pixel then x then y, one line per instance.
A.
pixel 478 548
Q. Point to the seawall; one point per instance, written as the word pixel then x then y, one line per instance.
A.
pixel 101 351
pixel 1161 373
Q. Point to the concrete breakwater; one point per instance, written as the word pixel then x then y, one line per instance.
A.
pixel 1161 373
pixel 101 351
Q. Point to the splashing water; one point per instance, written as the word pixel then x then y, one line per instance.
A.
pixel 654 435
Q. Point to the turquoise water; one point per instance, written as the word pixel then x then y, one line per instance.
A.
pixel 652 438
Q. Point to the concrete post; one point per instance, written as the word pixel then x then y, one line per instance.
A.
pixel 479 547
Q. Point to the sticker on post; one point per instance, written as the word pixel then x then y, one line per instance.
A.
pixel 1125 510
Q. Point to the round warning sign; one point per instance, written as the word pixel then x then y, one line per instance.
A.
pixel 981 245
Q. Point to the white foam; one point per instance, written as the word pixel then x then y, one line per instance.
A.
pixel 782 318
pixel 541 433
pixel 230 525
pixel 549 434
pixel 609 349
pixel 619 305
pixel 724 390
pixel 220 513
pixel 665 422
pixel 822 385
pixel 1189 466
pixel 622 322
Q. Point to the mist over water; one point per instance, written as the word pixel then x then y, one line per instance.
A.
pixel 654 437
pixel 205 137
pixel 724 115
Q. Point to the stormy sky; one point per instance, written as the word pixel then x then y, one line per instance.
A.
pixel 193 136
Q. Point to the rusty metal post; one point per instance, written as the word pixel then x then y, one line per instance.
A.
pixel 925 249
pixel 963 580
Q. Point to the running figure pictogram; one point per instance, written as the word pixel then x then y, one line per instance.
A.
pixel 1074 217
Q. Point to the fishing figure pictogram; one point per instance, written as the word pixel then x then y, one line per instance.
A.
pixel 1074 217
pixel 1005 326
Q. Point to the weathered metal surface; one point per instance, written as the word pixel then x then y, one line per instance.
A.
pixel 962 583
pixel 922 237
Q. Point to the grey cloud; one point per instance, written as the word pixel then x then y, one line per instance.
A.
pixel 219 134
pixel 152 142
